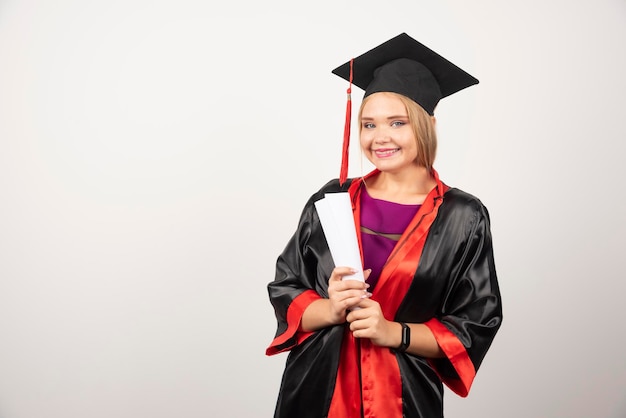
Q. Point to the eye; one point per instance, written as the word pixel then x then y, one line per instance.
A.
pixel 398 123
pixel 368 125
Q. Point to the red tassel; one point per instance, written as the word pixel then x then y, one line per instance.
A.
pixel 343 173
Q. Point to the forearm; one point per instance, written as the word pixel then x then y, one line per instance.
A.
pixel 317 316
pixel 423 342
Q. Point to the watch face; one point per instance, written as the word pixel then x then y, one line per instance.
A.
pixel 406 337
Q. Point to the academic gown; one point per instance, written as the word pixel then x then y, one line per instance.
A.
pixel 441 273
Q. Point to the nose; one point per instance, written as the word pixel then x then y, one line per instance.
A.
pixel 382 136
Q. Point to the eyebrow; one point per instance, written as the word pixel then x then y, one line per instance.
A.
pixel 388 118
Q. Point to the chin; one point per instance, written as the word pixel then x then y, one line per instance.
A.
pixel 389 167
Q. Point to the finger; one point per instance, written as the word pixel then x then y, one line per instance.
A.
pixel 344 270
pixel 339 272
pixel 354 316
pixel 357 302
pixel 348 285
pixel 365 302
pixel 360 328
pixel 355 285
pixel 346 290
pixel 352 297
pixel 359 314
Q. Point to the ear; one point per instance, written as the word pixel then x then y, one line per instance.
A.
pixel 433 120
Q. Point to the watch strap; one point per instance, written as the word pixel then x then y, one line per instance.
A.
pixel 406 338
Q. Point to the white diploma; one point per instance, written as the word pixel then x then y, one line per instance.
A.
pixel 335 212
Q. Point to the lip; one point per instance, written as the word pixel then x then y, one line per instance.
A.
pixel 385 152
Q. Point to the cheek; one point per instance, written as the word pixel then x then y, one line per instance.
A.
pixel 365 140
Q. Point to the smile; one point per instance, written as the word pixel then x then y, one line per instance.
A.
pixel 385 152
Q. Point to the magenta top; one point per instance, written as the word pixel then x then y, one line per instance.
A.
pixel 382 224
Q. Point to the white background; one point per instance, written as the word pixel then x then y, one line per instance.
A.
pixel 155 157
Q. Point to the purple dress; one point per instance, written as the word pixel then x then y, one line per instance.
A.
pixel 382 224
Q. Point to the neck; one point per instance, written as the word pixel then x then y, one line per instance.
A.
pixel 408 186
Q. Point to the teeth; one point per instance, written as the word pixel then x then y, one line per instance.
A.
pixel 386 152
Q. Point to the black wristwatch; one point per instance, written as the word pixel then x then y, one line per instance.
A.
pixel 406 338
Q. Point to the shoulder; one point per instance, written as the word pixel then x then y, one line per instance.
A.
pixel 461 198
pixel 332 186
pixel 459 202
pixel 309 216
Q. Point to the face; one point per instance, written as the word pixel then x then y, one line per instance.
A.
pixel 387 139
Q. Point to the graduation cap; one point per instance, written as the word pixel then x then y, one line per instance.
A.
pixel 405 66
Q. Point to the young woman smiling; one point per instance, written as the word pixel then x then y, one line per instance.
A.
pixel 430 306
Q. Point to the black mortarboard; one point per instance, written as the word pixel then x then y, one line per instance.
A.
pixel 405 66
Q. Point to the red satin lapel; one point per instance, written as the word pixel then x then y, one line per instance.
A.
pixel 398 272
pixel 378 370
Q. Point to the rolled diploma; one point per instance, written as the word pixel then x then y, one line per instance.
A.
pixel 335 213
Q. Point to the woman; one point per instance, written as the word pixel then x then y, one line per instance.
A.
pixel 430 306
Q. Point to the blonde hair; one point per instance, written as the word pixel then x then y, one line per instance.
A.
pixel 423 129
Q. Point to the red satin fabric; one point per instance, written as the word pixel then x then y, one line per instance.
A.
pixel 456 353
pixel 294 318
pixel 365 368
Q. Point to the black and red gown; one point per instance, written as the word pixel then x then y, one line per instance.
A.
pixel 441 273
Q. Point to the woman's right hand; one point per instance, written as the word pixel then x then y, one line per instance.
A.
pixel 343 295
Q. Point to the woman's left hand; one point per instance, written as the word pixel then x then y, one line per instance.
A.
pixel 369 322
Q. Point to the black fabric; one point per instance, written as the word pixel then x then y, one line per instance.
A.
pixel 455 283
